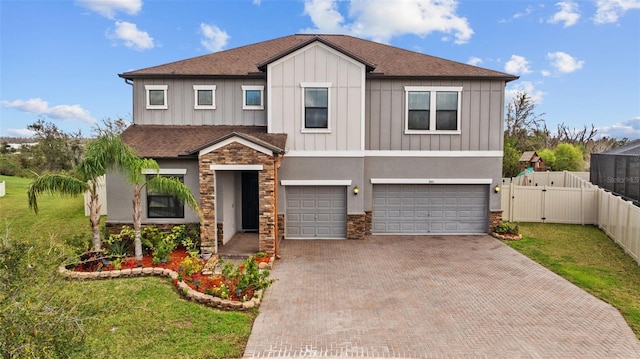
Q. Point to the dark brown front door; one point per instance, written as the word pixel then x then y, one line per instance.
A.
pixel 250 201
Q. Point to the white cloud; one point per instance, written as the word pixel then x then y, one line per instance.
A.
pixel 61 112
pixel 20 132
pixel 629 129
pixel 475 61
pixel 389 18
pixel 526 12
pixel 213 39
pixel 568 14
pixel 517 65
pixel 132 37
pixel 524 86
pixel 563 62
pixel 609 11
pixel 108 8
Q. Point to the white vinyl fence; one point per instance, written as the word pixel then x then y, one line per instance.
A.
pixel 580 202
pixel 553 179
pixel 102 197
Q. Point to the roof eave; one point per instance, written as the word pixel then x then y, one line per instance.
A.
pixel 252 75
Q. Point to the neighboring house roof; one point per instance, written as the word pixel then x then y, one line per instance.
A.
pixel 161 141
pixel 380 60
pixel 529 156
pixel 630 149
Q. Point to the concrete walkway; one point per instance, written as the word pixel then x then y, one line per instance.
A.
pixel 428 297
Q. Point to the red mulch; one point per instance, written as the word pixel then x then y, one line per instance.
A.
pixel 176 257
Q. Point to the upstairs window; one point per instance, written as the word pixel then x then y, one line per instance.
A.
pixel 156 97
pixel 205 97
pixel 252 97
pixel 432 109
pixel 161 205
pixel 316 105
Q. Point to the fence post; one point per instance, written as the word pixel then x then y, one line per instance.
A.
pixel 511 201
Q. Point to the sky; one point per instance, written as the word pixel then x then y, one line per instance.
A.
pixel 60 59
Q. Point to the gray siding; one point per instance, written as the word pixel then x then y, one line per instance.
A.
pixel 433 168
pixel 480 125
pixel 120 194
pixel 316 168
pixel 181 102
pixel 317 63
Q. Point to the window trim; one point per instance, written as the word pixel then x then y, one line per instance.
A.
pixel 197 88
pixel 246 88
pixel 181 211
pixel 149 88
pixel 303 86
pixel 433 90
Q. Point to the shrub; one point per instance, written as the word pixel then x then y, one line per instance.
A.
pixel 36 321
pixel 507 228
pixel 190 266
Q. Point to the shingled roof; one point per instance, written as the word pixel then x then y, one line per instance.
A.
pixel 380 59
pixel 161 141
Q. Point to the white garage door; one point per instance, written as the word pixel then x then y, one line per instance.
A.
pixel 316 212
pixel 430 209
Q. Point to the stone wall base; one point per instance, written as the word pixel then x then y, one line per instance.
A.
pixel 495 219
pixel 356 224
pixel 368 218
pixel 115 228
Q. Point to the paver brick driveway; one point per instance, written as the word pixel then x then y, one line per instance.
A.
pixel 429 297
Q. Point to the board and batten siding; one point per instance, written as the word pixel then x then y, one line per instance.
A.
pixel 181 101
pixel 317 63
pixel 480 122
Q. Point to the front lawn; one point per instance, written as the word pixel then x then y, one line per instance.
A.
pixel 128 318
pixel 585 256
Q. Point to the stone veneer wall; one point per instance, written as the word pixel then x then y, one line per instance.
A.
pixel 238 154
pixel 368 218
pixel 220 229
pixel 356 224
pixel 495 219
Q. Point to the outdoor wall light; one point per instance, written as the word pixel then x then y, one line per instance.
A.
pixel 356 190
pixel 497 189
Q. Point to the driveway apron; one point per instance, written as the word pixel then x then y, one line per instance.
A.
pixel 428 297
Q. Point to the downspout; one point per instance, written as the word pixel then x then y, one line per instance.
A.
pixel 276 165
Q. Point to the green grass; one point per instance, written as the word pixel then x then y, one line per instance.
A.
pixel 585 256
pixel 134 318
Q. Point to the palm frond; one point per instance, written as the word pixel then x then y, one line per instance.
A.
pixel 64 185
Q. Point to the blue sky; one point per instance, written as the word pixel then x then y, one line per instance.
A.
pixel 59 60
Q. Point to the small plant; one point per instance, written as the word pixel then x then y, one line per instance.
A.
pixel 162 251
pixel 507 228
pixel 261 255
pixel 116 263
pixel 190 266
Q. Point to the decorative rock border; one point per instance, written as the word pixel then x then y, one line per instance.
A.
pixel 182 287
pixel 507 237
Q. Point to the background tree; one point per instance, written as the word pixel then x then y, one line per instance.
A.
pixel 510 164
pixel 56 150
pixel 521 121
pixel 548 157
pixel 568 158
pixel 109 126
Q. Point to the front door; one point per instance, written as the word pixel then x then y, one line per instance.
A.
pixel 250 201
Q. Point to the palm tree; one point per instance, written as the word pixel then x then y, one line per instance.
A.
pixel 106 151
pixel 136 170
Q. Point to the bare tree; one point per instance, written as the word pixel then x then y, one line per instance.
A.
pixel 521 120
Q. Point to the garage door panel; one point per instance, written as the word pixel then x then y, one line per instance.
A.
pixel 424 209
pixel 315 212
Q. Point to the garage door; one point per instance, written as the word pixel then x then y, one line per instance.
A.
pixel 430 209
pixel 316 212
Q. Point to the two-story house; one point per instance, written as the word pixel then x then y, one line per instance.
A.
pixel 319 137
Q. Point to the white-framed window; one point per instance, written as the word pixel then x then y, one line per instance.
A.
pixel 432 109
pixel 205 97
pixel 156 97
pixel 252 97
pixel 316 105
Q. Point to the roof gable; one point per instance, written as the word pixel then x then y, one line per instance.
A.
pixel 380 60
